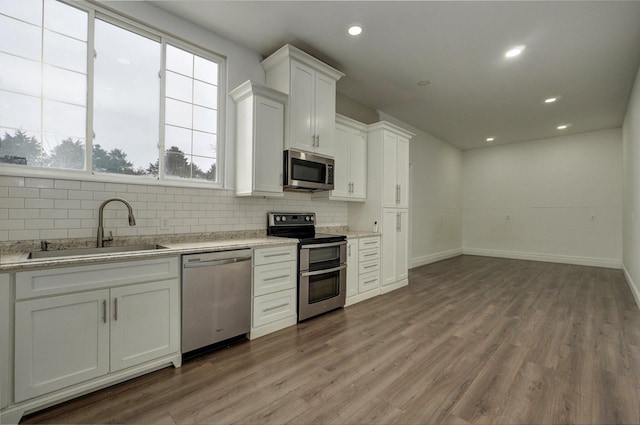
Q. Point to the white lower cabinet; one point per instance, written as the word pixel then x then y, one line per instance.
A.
pixel 66 342
pixel 395 239
pixel 60 341
pixel 275 279
pixel 364 264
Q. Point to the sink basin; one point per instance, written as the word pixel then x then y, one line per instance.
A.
pixel 91 251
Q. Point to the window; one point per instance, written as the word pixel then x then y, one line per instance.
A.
pixel 86 91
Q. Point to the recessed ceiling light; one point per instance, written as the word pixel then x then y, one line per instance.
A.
pixel 550 100
pixel 563 127
pixel 490 139
pixel 513 52
pixel 355 30
pixel 424 83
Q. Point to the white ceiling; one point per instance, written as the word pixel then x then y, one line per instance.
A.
pixel 587 52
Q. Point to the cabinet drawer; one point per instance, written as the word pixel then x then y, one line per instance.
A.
pixel 369 266
pixel 369 255
pixel 272 307
pixel 366 243
pixel 368 282
pixel 275 255
pixel 62 280
pixel 269 278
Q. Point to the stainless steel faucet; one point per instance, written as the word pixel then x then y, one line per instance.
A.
pixel 101 238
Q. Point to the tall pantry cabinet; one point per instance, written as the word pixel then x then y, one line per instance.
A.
pixel 387 204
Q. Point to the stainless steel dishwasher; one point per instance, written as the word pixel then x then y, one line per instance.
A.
pixel 216 297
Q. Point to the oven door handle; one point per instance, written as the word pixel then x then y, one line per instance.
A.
pixel 322 245
pixel 323 271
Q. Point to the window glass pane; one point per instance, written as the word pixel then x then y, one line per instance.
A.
pixel 19 111
pixel 179 87
pixel 65 19
pixel 20 75
pixel 65 86
pixel 177 137
pixel 25 10
pixel 127 100
pixel 64 119
pixel 178 113
pixel 205 70
pixel 204 168
pixel 20 147
pixel 20 38
pixel 205 119
pixel 65 52
pixel 64 152
pixel 179 61
pixel 204 144
pixel 205 94
pixel 176 164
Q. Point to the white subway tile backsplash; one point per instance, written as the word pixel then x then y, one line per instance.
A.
pixel 48 208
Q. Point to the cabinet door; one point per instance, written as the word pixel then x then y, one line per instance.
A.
pixel 325 114
pixel 60 341
pixel 301 107
pixel 389 246
pixel 352 268
pixel 358 165
pixel 341 177
pixel 402 245
pixel 403 172
pixel 145 322
pixel 269 143
pixel 390 170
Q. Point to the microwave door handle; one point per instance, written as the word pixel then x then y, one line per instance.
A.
pixel 323 271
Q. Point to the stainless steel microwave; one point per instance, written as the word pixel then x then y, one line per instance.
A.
pixel 307 172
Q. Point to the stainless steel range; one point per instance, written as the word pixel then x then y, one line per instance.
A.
pixel 322 277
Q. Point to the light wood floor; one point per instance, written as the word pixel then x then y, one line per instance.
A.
pixel 470 340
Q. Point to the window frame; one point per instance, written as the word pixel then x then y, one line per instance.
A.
pixel 95 12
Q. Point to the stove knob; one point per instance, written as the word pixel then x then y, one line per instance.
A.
pixel 311 218
pixel 284 218
pixel 277 218
pixel 307 218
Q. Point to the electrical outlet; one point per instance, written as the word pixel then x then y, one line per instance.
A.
pixel 164 223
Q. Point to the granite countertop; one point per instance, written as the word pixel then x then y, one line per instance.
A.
pixel 16 261
pixel 354 234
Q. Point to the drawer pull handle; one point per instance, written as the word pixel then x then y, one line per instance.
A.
pixel 370 266
pixel 276 277
pixel 371 255
pixel 370 281
pixel 277 255
pixel 275 307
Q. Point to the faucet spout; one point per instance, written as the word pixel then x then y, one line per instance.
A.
pixel 132 220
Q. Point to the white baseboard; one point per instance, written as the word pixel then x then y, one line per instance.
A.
pixel 634 288
pixel 432 258
pixel 610 263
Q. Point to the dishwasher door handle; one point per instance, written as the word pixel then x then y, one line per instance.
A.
pixel 216 262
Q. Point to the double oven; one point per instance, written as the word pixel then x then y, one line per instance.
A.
pixel 322 268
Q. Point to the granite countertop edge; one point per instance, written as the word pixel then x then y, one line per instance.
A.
pixel 11 262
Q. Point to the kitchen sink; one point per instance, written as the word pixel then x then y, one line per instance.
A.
pixel 90 251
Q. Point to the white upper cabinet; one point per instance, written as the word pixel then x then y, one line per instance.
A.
pixel 260 114
pixel 395 189
pixel 311 86
pixel 350 175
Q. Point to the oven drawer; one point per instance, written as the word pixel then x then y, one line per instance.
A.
pixel 275 255
pixel 369 266
pixel 368 282
pixel 272 307
pixel 366 243
pixel 269 278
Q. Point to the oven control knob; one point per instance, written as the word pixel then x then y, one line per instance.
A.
pixel 284 218
pixel 311 218
pixel 307 218
pixel 277 218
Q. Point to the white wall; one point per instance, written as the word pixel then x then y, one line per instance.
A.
pixel 555 200
pixel 631 209
pixel 435 201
